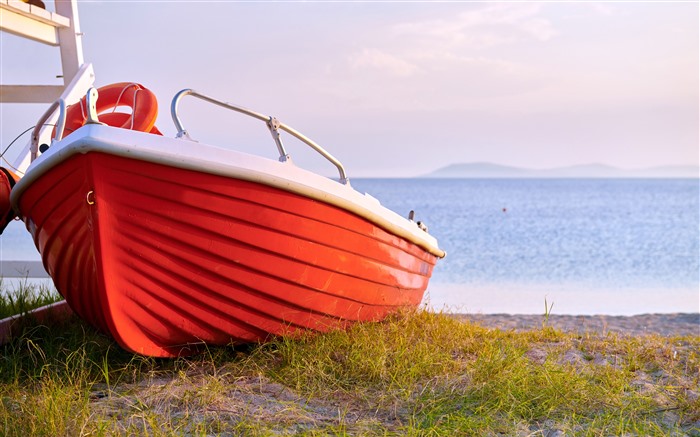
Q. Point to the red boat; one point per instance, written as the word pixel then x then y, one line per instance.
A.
pixel 167 244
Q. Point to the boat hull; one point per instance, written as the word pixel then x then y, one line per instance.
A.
pixel 165 259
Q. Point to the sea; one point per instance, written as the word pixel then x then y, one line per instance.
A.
pixel 530 246
pixel 578 246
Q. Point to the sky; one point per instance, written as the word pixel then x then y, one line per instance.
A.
pixel 401 89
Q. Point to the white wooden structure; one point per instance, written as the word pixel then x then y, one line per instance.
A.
pixel 60 29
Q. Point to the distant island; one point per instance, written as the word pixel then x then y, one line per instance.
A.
pixel 489 170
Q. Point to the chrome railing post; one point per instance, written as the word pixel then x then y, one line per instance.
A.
pixel 272 123
pixel 60 126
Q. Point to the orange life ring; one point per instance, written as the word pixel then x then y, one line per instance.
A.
pixel 143 103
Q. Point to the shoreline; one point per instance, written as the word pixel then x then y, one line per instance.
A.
pixel 568 299
pixel 665 324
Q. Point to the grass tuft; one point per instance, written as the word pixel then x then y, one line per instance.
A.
pixel 418 374
pixel 25 296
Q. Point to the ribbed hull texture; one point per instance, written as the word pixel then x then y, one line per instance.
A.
pixel 165 259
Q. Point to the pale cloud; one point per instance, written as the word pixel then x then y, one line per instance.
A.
pixel 462 64
pixel 427 80
pixel 425 61
pixel 480 28
pixel 455 47
pixel 602 9
pixel 382 61
pixel 539 28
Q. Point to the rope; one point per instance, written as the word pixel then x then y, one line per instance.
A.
pixel 136 90
pixel 2 155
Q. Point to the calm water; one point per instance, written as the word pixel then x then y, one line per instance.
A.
pixel 590 246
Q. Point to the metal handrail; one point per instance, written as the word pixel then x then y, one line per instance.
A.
pixel 91 97
pixel 272 124
pixel 60 126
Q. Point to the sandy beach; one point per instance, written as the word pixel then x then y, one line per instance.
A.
pixel 662 324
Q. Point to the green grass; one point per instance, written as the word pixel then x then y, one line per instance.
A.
pixel 24 296
pixel 416 374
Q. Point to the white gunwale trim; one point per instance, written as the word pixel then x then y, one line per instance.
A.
pixel 204 158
